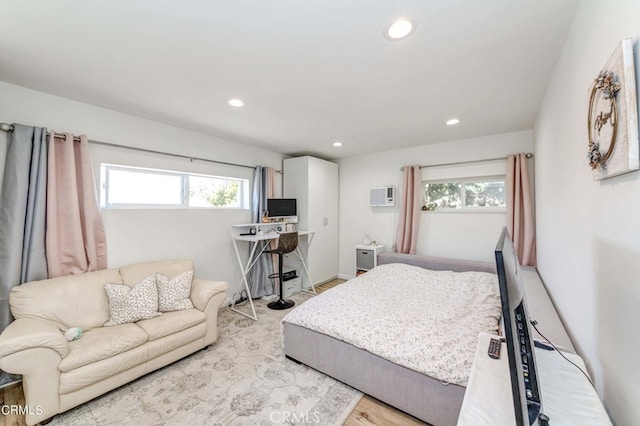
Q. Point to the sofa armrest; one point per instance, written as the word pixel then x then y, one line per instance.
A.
pixel 208 296
pixel 28 333
pixel 202 291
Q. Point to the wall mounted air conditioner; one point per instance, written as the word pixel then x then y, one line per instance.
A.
pixel 382 196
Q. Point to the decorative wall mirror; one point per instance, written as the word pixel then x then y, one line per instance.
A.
pixel 612 117
pixel 603 119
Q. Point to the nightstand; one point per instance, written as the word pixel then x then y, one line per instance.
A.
pixel 367 257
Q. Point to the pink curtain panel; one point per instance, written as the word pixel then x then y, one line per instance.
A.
pixel 75 237
pixel 520 213
pixel 410 203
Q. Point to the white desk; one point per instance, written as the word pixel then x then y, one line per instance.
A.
pixel 265 232
pixel 567 396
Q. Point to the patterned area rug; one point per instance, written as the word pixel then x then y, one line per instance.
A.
pixel 243 379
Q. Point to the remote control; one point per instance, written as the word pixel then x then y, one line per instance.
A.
pixel 494 348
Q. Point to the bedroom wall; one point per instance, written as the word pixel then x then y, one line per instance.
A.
pixel 450 234
pixel 588 232
pixel 141 235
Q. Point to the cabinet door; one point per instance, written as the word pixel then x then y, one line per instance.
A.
pixel 323 202
pixel 314 182
pixel 331 216
pixel 296 185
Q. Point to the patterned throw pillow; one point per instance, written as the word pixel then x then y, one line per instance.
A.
pixel 174 294
pixel 131 304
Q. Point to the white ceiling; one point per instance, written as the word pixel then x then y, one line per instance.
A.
pixel 310 71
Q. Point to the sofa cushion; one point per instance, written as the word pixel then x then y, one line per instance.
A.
pixel 71 301
pixel 171 322
pixel 131 274
pixel 102 343
pixel 103 370
pixel 158 348
pixel 131 304
pixel 174 294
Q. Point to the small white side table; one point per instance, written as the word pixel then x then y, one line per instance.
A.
pixel 367 257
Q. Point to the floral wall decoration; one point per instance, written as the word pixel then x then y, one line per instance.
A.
pixel 613 147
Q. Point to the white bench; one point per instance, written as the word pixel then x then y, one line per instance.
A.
pixel 567 396
pixel 541 309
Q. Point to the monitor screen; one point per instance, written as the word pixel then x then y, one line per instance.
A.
pixel 522 366
pixel 280 207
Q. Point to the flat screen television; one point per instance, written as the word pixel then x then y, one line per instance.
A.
pixel 525 386
pixel 281 207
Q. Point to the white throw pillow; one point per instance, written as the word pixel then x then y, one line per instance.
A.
pixel 174 294
pixel 131 304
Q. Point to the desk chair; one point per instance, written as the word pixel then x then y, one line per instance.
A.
pixel 287 242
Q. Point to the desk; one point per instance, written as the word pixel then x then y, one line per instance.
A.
pixel 265 232
pixel 567 396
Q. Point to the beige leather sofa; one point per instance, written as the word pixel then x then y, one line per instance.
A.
pixel 59 375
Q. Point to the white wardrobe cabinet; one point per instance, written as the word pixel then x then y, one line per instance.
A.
pixel 314 183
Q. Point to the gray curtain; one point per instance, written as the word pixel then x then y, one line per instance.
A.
pixel 259 281
pixel 22 214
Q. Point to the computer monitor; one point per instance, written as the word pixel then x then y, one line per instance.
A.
pixel 282 207
pixel 525 386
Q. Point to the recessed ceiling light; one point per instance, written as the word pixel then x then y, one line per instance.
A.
pixel 399 29
pixel 337 144
pixel 236 103
pixel 452 121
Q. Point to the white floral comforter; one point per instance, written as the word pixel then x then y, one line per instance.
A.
pixel 425 320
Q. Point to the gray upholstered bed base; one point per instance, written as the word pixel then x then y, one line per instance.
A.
pixel 415 393
pixel 437 263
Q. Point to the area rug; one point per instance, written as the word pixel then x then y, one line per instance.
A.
pixel 243 379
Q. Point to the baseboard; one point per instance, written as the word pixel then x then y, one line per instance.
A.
pixel 345 276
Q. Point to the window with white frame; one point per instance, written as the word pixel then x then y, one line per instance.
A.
pixel 471 194
pixel 136 187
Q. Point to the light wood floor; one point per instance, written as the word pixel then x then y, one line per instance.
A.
pixel 12 396
pixel 368 412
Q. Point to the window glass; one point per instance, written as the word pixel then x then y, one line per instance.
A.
pixel 205 191
pixel 485 194
pixel 443 196
pixel 134 187
pixel 467 194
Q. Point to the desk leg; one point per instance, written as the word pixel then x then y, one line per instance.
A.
pixel 245 270
pixel 304 266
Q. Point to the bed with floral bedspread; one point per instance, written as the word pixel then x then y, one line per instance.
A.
pixel 403 334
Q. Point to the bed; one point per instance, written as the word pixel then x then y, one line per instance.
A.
pixel 381 358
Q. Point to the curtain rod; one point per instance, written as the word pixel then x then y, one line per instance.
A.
pixel 455 163
pixel 9 128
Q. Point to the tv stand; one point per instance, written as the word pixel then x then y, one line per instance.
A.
pixel 567 396
pixel 488 398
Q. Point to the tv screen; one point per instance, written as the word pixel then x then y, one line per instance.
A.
pixel 279 207
pixel 525 387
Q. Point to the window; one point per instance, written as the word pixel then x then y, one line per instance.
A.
pixel 478 194
pixel 135 187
